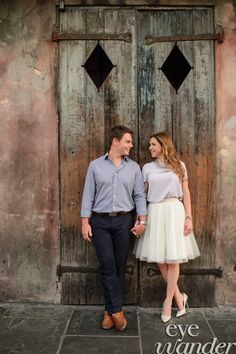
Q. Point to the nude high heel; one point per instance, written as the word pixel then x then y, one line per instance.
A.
pixel 165 318
pixel 183 311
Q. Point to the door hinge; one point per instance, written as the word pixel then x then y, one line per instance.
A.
pixel 219 36
pixel 61 36
pixel 85 269
pixel 218 272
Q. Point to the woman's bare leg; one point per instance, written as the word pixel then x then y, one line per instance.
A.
pixel 177 294
pixel 172 279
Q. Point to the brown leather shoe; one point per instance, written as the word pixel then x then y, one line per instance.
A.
pixel 107 322
pixel 120 321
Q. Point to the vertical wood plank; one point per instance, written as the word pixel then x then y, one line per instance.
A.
pixel 93 138
pixel 146 84
pixel 204 214
pixel 120 101
pixel 72 127
pixel 120 92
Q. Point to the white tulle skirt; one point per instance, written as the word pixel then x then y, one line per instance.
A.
pixel 164 240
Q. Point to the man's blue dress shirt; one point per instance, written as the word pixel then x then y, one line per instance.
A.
pixel 112 189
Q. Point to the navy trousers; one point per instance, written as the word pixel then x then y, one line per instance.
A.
pixel 111 237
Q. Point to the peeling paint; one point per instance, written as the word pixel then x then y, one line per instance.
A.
pixel 224 152
pixel 40 229
pixel 4 101
pixel 225 141
pixel 40 73
pixel 20 72
pixel 231 123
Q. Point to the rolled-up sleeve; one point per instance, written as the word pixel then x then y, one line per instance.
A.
pixel 88 193
pixel 139 194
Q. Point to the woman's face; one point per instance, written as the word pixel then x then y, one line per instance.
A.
pixel 155 148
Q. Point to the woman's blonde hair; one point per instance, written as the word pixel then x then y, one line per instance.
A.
pixel 170 156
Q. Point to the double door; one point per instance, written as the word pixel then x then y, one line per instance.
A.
pixel 115 69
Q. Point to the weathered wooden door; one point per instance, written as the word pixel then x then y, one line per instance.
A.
pixel 136 93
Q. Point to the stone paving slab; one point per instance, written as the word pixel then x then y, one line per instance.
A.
pixel 155 334
pixel 222 320
pixel 32 329
pixel 85 335
pixel 87 321
pixel 220 313
pixel 100 345
pixel 224 330
pixel 37 310
pixel 30 335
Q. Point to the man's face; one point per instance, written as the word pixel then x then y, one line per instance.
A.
pixel 124 145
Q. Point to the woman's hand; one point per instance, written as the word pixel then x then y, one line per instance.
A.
pixel 188 226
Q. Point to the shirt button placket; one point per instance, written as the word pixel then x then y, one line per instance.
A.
pixel 114 192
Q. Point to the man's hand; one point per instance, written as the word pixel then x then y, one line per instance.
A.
pixel 86 229
pixel 138 229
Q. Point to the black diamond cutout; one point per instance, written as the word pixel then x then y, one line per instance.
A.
pixel 176 68
pixel 98 66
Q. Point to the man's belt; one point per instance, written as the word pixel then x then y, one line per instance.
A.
pixel 113 214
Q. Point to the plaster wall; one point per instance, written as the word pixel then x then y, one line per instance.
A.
pixel 29 218
pixel 226 153
pixel 28 153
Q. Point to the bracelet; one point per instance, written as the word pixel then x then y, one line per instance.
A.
pixel 142 222
pixel 188 217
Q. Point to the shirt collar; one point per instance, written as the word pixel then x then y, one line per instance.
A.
pixel 106 156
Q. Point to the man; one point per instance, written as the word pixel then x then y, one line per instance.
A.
pixel 113 189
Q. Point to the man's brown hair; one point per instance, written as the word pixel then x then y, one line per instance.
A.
pixel 118 131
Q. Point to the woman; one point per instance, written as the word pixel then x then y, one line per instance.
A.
pixel 168 239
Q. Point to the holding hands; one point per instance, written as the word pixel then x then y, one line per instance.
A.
pixel 139 228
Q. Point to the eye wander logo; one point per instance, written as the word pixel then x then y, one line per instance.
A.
pixel 193 347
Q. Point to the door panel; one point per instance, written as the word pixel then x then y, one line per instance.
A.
pixel 189 118
pixel 136 93
pixel 86 117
